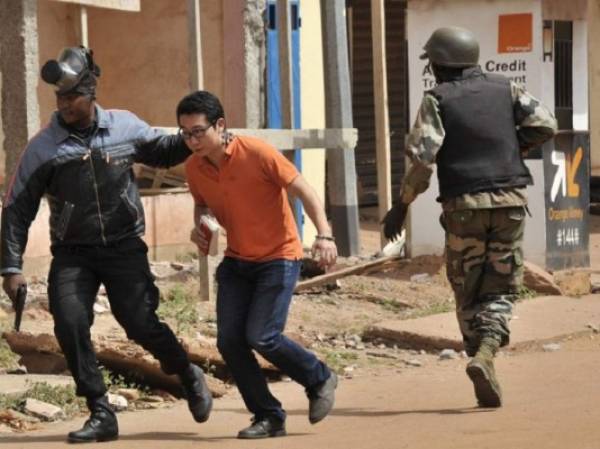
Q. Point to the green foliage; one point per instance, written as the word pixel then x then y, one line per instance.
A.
pixel 433 309
pixel 526 293
pixel 337 360
pixel 8 359
pixel 115 382
pixel 392 305
pixel 178 304
pixel 62 396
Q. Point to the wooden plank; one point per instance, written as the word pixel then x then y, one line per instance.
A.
pixel 122 5
pixel 206 277
pixel 195 45
pixel 287 139
pixel 382 125
pixel 333 276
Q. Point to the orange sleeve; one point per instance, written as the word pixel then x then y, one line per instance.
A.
pixel 191 176
pixel 277 167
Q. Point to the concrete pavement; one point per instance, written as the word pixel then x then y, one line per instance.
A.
pixel 536 320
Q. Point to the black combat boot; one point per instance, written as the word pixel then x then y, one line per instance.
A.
pixel 101 426
pixel 197 393
pixel 267 427
pixel 483 375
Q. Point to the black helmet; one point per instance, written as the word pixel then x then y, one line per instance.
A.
pixel 74 65
pixel 452 47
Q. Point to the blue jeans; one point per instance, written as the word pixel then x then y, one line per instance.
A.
pixel 252 307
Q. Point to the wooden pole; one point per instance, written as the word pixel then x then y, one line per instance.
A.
pixel 284 31
pixel 83 20
pixel 195 45
pixel 382 123
pixel 196 77
pixel 341 168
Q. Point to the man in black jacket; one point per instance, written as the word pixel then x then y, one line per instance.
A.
pixel 82 162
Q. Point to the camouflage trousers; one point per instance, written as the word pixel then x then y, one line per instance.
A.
pixel 484 263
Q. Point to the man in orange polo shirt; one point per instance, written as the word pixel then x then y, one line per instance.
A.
pixel 244 182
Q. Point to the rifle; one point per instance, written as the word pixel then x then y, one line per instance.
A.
pixel 20 305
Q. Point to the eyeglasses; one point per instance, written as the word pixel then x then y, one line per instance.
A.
pixel 196 132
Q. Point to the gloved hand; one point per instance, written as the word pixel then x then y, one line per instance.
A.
pixel 11 284
pixel 394 220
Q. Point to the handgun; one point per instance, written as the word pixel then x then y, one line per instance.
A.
pixel 20 305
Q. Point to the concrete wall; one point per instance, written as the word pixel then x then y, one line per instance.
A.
pixel 58 27
pixel 168 225
pixel 144 58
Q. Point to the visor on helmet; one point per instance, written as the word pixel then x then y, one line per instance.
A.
pixel 66 72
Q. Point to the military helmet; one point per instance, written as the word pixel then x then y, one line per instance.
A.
pixel 452 47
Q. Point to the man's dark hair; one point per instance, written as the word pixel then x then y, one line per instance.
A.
pixel 201 102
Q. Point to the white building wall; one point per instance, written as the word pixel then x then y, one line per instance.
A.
pixel 580 76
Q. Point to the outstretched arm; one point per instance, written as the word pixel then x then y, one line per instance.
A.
pixel 324 244
pixel 154 148
pixel 424 141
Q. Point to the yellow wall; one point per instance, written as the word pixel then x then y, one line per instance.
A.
pixel 594 82
pixel 312 101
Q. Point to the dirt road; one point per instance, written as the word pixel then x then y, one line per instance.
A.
pixel 551 402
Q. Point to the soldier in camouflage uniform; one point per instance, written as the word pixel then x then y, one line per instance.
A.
pixel 475 127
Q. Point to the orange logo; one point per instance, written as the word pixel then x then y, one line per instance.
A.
pixel 515 33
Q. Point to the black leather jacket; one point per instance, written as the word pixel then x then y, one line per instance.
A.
pixel 90 189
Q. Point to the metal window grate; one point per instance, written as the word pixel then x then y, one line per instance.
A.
pixel 563 73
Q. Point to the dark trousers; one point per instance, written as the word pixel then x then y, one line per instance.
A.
pixel 252 307
pixel 75 276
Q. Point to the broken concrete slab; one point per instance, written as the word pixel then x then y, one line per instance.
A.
pixel 117 402
pixel 574 282
pixel 43 410
pixel 121 357
pixel 539 280
pixel 540 319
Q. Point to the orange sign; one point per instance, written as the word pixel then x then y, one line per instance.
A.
pixel 515 33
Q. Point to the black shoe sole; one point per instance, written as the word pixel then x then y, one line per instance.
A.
pixel 486 395
pixel 72 440
pixel 202 418
pixel 278 433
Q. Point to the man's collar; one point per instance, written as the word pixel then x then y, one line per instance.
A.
pixel 61 134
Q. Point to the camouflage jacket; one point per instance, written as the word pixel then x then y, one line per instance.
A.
pixel 535 124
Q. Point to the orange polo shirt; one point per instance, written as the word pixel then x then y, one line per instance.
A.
pixel 247 195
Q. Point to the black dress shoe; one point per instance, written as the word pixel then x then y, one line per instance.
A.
pixel 101 426
pixel 321 399
pixel 197 393
pixel 263 428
